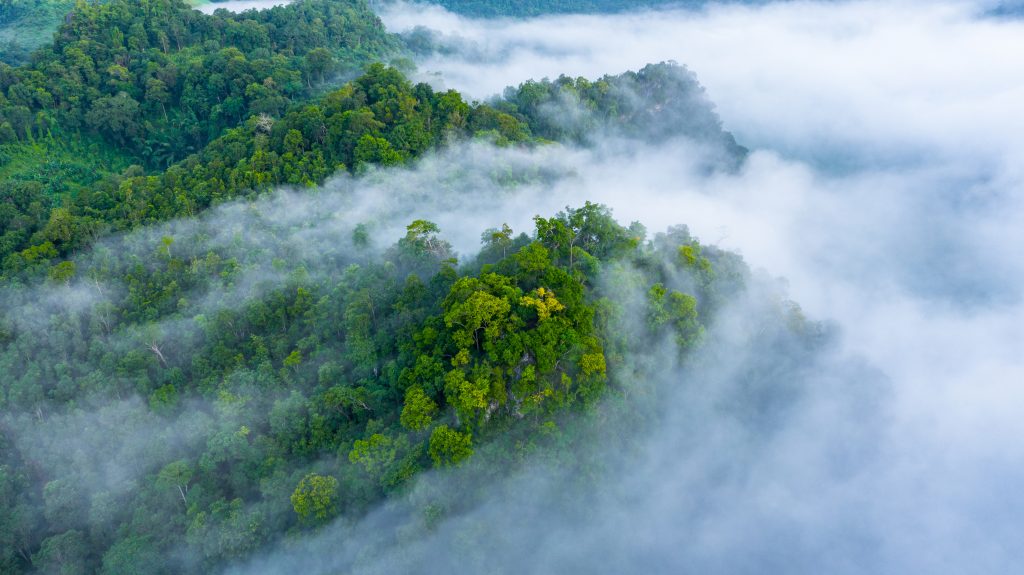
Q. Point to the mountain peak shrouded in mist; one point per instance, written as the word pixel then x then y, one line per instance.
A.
pixel 379 287
pixel 656 103
pixel 533 8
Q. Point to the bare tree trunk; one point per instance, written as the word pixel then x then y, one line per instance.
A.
pixel 159 354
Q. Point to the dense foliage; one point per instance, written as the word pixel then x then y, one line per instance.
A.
pixel 380 118
pixel 157 78
pixel 26 25
pixel 192 366
pixel 144 85
pixel 278 393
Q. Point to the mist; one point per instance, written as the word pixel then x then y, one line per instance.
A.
pixel 884 185
pixel 883 193
pixel 886 137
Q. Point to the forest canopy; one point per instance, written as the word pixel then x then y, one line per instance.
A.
pixel 378 119
pixel 205 351
pixel 248 411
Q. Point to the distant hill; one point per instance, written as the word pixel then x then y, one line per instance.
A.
pixel 26 25
pixel 521 8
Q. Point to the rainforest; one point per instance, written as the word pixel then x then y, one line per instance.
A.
pixel 338 286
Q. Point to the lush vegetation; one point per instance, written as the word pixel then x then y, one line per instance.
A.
pixel 194 365
pixel 655 104
pixel 380 118
pixel 157 79
pixel 282 388
pixel 26 25
pixel 145 84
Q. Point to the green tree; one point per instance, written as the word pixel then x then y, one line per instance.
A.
pixel 374 454
pixel 63 272
pixel 131 556
pixel 375 150
pixel 116 117
pixel 157 93
pixel 419 409
pixel 315 499
pixel 319 62
pixel 64 554
pixel 449 447
pixel 176 475
pixel 498 239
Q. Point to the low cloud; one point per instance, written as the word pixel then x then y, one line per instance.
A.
pixel 883 184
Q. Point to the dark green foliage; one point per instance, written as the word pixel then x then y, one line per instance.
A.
pixel 181 394
pixel 158 78
pixel 378 119
pixel 143 85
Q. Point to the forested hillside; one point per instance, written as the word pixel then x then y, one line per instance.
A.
pixel 654 104
pixel 230 384
pixel 155 78
pixel 276 299
pixel 230 388
pixel 196 364
pixel 26 25
pixel 380 118
pixel 520 8
pixel 156 75
pixel 142 85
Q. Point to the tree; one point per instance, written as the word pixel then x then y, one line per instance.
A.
pixel 115 117
pixel 361 236
pixel 480 312
pixel 374 454
pixel 448 447
pixel 60 229
pixel 543 301
pixel 156 92
pixel 315 498
pixel 421 239
pixel 64 503
pixel 64 554
pixel 374 150
pixel 131 556
pixel 165 246
pixel 319 62
pixel 228 530
pixel 63 272
pixel 419 409
pixel 177 475
pixel 495 238
pixel 676 309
